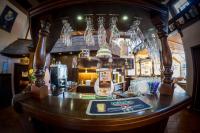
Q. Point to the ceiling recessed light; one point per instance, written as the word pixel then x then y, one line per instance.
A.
pixel 79 18
pixel 125 17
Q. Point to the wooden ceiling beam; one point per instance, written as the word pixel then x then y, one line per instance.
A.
pixel 34 3
pixel 18 6
pixel 50 5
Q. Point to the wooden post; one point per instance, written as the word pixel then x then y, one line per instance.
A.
pixel 160 21
pixel 161 66
pixel 153 71
pixel 135 65
pixel 140 74
pixel 40 90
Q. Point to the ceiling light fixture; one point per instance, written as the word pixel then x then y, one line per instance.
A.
pixel 79 18
pixel 125 17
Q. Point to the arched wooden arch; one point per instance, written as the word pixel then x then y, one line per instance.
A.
pixel 44 7
pixel 159 17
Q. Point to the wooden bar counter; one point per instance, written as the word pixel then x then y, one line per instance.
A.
pixel 68 114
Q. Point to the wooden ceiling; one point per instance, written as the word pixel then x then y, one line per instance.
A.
pixel 176 38
pixel 175 43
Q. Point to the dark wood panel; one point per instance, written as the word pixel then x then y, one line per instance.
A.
pixel 5 90
pixel 85 89
pixel 47 6
pixel 196 82
pixel 20 82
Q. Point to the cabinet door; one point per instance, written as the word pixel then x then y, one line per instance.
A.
pixel 20 78
pixel 5 90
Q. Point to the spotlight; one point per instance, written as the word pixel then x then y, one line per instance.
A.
pixel 79 18
pixel 125 17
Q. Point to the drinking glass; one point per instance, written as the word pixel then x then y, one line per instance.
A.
pixel 114 32
pixel 88 34
pixel 101 32
pixel 66 32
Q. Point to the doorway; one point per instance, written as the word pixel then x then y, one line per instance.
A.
pixel 196 81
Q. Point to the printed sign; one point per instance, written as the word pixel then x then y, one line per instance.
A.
pixel 104 82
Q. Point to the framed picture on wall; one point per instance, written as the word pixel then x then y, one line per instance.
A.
pixel 7 19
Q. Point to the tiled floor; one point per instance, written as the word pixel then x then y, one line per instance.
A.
pixel 185 121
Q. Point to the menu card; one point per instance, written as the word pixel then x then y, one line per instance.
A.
pixel 104 82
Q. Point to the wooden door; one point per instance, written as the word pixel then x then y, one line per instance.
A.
pixel 196 80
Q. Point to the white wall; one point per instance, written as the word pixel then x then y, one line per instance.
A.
pixel 19 30
pixel 191 38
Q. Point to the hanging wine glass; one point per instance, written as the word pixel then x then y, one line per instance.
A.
pixel 136 35
pixel 66 33
pixel 114 32
pixel 101 32
pixel 139 33
pixel 153 47
pixel 104 51
pixel 129 44
pixel 88 34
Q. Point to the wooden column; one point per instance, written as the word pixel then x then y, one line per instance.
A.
pixel 135 64
pixel 140 74
pixel 153 71
pixel 39 89
pixel 160 21
pixel 161 65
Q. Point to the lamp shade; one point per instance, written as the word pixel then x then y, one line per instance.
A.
pixel 18 48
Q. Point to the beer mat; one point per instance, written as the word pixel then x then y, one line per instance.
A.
pixel 116 107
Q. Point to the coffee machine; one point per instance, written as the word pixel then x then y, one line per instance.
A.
pixel 58 78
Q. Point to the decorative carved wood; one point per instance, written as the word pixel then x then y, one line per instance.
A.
pixel 160 21
pixel 166 55
pixel 153 72
pixel 40 54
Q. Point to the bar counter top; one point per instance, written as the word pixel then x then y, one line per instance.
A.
pixel 70 112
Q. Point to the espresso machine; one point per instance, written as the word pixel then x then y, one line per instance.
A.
pixel 58 74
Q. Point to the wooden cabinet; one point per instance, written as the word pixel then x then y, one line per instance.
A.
pixel 20 77
pixel 5 90
pixel 85 89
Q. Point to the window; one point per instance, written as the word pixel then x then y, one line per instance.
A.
pixel 180 5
